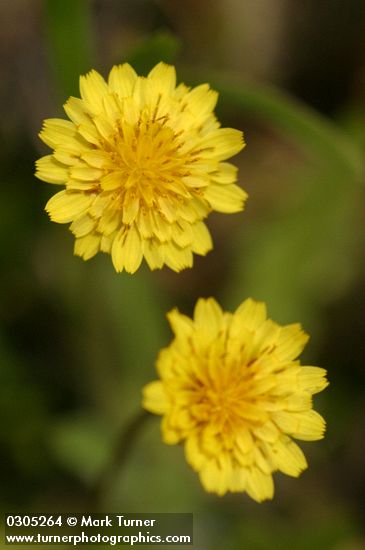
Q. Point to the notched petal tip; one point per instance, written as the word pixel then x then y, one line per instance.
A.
pixel 181 325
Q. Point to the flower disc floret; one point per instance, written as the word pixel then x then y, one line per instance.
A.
pixel 233 391
pixel 143 162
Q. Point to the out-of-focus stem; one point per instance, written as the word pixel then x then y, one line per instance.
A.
pixel 70 42
pixel 123 448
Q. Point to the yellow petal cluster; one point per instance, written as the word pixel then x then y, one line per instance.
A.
pixel 143 162
pixel 233 391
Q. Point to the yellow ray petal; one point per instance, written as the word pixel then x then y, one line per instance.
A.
pixel 202 241
pixel 312 379
pixel 85 173
pixel 155 398
pixel 259 486
pixel 92 88
pixel 287 457
pixel 83 225
pixel 208 317
pixel 163 78
pixel 51 170
pixel 77 111
pixel 201 100
pixel 222 143
pixel 176 258
pixel 122 79
pixel 226 173
pixel 132 250
pixel 308 426
pixel 252 314
pixel 152 254
pixel 238 480
pixel 65 206
pixel 290 342
pixel 56 130
pixel 225 198
pixel 213 478
pixel 87 246
pixel 194 454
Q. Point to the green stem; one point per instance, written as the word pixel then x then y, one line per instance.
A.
pixel 123 448
pixel 70 42
pixel 319 135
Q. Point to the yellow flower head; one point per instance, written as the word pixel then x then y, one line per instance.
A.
pixel 233 390
pixel 143 165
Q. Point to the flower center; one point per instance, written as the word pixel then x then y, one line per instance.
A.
pixel 148 158
pixel 221 404
pixel 230 401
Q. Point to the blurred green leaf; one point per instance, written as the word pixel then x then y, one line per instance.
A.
pixel 115 323
pixel 302 258
pixel 159 462
pixel 70 42
pixel 323 139
pixel 161 46
pixel 321 533
pixel 306 252
pixel 23 441
pixel 81 444
pixel 136 306
pixel 353 121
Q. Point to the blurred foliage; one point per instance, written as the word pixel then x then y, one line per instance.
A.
pixel 69 33
pixel 161 46
pixel 289 263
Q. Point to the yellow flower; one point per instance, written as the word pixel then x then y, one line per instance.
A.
pixel 143 162
pixel 233 390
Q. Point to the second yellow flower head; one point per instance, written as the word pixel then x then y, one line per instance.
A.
pixel 233 391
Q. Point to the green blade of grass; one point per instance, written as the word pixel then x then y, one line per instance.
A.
pixel 304 254
pixel 68 29
pixel 306 126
